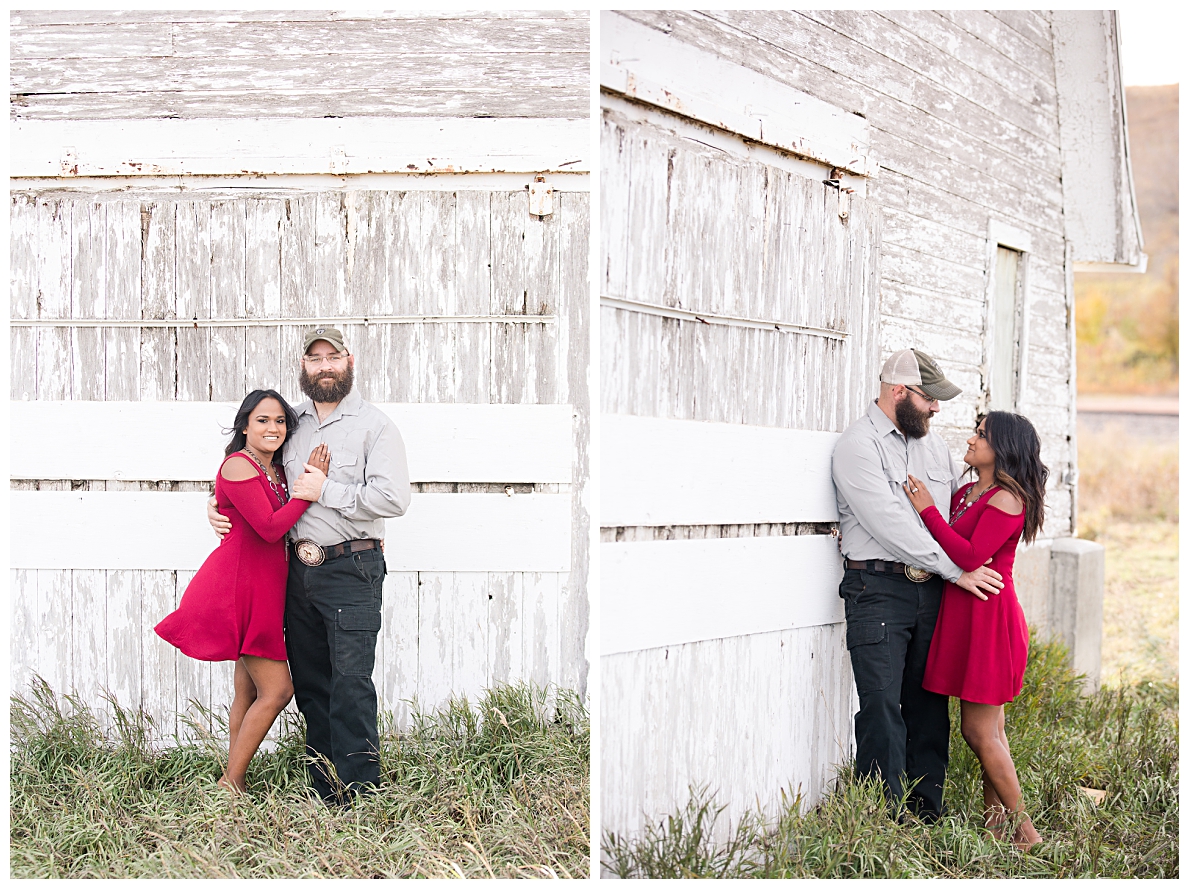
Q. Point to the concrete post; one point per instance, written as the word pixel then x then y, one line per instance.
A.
pixel 1060 587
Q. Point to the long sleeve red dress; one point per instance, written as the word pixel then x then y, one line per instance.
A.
pixel 235 604
pixel 979 649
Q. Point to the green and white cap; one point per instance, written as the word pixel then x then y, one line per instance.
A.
pixel 910 367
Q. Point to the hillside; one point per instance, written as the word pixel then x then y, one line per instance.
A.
pixel 1126 323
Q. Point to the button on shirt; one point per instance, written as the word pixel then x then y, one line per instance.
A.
pixel 871 461
pixel 368 479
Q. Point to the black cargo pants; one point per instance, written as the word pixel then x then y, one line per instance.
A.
pixel 332 620
pixel 901 731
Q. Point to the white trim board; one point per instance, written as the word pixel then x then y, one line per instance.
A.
pixel 648 66
pixel 489 443
pixel 169 531
pixel 272 183
pixel 347 146
pixel 688 472
pixel 672 592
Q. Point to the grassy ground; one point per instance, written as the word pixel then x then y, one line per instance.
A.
pixel 1123 741
pixel 499 789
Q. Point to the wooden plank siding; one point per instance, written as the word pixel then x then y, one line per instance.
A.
pixel 692 229
pixel 263 258
pixel 144 64
pixel 963 114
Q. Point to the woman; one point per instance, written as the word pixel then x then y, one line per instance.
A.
pixel 980 645
pixel 234 607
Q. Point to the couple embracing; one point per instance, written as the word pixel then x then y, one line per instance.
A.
pixel 293 592
pixel 931 609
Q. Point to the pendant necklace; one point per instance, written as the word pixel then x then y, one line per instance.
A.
pixel 966 506
pixel 281 491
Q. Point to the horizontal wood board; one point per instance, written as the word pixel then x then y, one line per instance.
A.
pixel 169 530
pixel 685 472
pixel 302 65
pixel 649 66
pixel 679 591
pixel 358 145
pixel 443 442
pixel 756 719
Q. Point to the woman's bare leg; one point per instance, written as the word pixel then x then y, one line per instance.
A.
pixel 994 812
pixel 245 694
pixel 274 689
pixel 982 727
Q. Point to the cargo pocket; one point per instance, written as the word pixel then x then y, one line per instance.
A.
pixel 870 655
pixel 355 641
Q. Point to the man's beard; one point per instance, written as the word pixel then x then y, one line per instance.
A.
pixel 311 386
pixel 913 423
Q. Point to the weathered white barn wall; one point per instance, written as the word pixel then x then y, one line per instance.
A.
pixel 738 296
pixel 963 115
pixel 161 286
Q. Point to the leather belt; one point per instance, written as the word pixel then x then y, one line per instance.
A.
pixel 351 546
pixel 880 567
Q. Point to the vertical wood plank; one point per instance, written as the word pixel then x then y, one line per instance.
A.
pixel 222 691
pixel 330 252
pixel 298 296
pixel 469 638
pixel 540 633
pixel 506 633
pixel 54 629
pixel 124 637
pixel 122 291
pixel 159 672
pixel 435 632
pixel 228 299
pixel 158 353
pixel 193 299
pixel 509 218
pixel 399 645
pixel 89 633
pixel 88 276
pixel 24 630
pixel 23 250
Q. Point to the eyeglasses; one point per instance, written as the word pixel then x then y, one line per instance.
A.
pixel 317 360
pixel 929 399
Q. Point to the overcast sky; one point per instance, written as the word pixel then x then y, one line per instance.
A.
pixel 1152 46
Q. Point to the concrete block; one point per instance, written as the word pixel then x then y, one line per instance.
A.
pixel 1060 587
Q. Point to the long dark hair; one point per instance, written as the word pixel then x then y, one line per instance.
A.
pixel 239 427
pixel 1017 465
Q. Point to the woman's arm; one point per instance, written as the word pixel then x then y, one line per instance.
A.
pixel 254 505
pixel 992 531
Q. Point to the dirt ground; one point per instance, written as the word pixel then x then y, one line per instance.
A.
pixel 1140 607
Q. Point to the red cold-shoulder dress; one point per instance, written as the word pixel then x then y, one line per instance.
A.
pixel 235 604
pixel 979 649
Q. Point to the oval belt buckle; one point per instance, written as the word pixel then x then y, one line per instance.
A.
pixel 309 552
pixel 916 575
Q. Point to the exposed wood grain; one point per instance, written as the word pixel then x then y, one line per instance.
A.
pixel 398 645
pixel 789 694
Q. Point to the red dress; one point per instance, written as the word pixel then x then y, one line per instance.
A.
pixel 979 649
pixel 235 604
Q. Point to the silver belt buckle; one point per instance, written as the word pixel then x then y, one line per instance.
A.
pixel 309 553
pixel 916 575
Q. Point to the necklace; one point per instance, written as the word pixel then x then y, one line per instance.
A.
pixel 966 506
pixel 281 491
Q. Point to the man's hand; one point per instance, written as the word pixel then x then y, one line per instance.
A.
pixel 320 457
pixel 982 578
pixel 219 522
pixel 309 484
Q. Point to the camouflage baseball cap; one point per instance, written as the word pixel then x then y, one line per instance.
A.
pixel 910 367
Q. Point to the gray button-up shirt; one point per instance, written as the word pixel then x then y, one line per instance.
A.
pixel 368 479
pixel 871 461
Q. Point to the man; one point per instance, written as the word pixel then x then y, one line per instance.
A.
pixel 894 577
pixel 336 565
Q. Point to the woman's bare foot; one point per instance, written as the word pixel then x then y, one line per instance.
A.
pixel 1026 836
pixel 235 787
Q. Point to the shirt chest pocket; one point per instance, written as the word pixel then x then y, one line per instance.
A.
pixel 346 467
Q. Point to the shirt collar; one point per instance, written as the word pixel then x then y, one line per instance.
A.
pixel 349 406
pixel 883 425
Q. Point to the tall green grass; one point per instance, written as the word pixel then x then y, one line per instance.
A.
pixel 1121 740
pixel 496 789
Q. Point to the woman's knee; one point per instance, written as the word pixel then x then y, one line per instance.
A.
pixel 980 737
